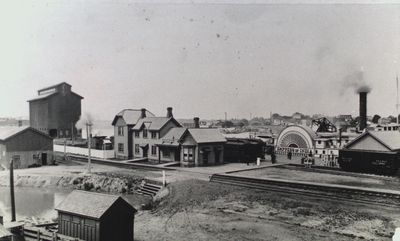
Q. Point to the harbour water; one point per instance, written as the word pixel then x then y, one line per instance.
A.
pixel 31 203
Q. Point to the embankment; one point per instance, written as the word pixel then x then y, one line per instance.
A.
pixel 101 182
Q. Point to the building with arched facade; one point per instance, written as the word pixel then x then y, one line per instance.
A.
pixel 302 140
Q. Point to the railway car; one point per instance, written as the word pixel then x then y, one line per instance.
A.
pixel 372 152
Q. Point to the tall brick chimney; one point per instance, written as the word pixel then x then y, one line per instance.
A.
pixel 143 114
pixel 169 112
pixel 196 122
pixel 363 110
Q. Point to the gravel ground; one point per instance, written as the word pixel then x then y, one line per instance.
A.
pixel 198 210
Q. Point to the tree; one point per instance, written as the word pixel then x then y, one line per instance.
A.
pixel 375 119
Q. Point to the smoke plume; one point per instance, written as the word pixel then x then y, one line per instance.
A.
pixel 356 81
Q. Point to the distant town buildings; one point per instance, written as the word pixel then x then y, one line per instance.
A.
pixel 55 111
pixel 26 146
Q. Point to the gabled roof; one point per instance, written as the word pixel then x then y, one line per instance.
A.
pixel 11 131
pixel 131 116
pixel 173 136
pixel 56 92
pixel 206 135
pixel 154 123
pixel 89 204
pixel 389 139
pixel 53 86
pixel 43 96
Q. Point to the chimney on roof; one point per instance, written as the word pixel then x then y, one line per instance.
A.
pixel 196 122
pixel 169 112
pixel 143 114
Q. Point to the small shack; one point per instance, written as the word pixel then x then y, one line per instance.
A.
pixel 96 217
pixel 26 146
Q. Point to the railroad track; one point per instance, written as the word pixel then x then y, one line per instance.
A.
pixel 336 171
pixel 119 163
pixel 325 191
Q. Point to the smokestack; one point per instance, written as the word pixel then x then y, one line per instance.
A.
pixel 169 112
pixel 363 110
pixel 143 114
pixel 196 122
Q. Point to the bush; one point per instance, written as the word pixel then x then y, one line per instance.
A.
pixel 88 186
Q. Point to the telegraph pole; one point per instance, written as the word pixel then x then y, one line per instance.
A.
pixel 12 195
pixel 89 139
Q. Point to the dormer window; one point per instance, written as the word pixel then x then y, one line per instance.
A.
pixel 153 135
pixel 144 133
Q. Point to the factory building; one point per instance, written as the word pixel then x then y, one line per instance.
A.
pixel 55 111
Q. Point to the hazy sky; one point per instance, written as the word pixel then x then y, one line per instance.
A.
pixel 201 59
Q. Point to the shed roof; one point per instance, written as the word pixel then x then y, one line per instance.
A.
pixel 89 204
pixel 131 116
pixel 154 123
pixel 11 131
pixel 206 135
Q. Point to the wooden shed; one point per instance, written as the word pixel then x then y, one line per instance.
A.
pixel 96 217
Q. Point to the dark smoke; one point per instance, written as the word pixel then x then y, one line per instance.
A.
pixel 356 82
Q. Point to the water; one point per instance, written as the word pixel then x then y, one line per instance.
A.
pixel 31 202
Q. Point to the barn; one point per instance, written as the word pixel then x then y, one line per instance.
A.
pixel 96 217
pixel 376 152
pixel 26 146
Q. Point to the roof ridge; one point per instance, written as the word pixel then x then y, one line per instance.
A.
pixel 98 193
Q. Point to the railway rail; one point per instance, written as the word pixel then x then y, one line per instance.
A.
pixel 388 198
pixel 119 163
pixel 336 171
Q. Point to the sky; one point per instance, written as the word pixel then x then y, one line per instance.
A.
pixel 202 59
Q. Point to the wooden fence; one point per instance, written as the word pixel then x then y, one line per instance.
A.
pixel 40 234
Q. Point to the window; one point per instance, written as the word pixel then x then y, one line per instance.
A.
pixel 153 150
pixel 66 133
pixel 144 133
pixel 137 134
pixel 61 133
pixel 120 130
pixel 153 135
pixel 188 154
pixel 319 142
pixel 120 147
pixel 165 153
pixel 137 150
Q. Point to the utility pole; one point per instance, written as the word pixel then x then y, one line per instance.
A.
pixel 89 140
pixel 12 195
pixel 397 100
